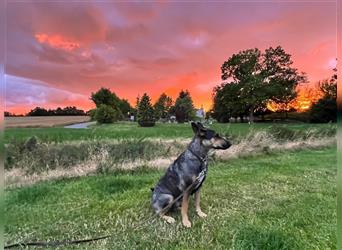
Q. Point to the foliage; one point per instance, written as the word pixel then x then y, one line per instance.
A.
pixel 227 102
pixel 105 97
pixel 325 110
pixel 145 116
pixel 38 111
pixel 72 111
pixel 163 106
pixel 258 78
pixel 126 108
pixel 8 114
pixel 107 114
pixel 92 113
pixel 184 107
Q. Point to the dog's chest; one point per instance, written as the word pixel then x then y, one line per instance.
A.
pixel 201 177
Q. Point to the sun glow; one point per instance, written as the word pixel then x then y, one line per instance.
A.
pixel 306 96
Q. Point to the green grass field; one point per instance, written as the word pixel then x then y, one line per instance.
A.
pixel 126 130
pixel 269 200
pixel 274 201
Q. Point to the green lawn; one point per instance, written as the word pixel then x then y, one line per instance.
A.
pixel 274 201
pixel 126 130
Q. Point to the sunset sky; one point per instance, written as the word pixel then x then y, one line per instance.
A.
pixel 58 53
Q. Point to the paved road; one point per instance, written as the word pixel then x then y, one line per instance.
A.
pixel 80 125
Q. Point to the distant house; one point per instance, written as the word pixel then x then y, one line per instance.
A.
pixel 200 113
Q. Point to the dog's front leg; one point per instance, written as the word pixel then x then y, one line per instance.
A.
pixel 185 206
pixel 197 205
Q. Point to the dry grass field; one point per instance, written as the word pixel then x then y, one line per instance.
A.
pixel 43 121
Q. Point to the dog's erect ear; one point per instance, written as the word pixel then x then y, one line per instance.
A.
pixel 194 127
pixel 200 125
pixel 198 128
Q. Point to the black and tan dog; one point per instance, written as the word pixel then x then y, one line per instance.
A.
pixel 184 171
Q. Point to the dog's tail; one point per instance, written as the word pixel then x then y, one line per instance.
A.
pixel 152 189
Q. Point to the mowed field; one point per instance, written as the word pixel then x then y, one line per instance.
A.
pixel 43 121
pixel 129 130
pixel 276 199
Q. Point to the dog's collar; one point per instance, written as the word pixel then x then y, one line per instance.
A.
pixel 203 160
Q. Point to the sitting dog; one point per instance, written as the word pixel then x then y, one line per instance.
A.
pixel 190 167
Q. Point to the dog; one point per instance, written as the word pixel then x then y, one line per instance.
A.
pixel 191 166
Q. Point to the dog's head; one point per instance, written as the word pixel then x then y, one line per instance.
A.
pixel 209 138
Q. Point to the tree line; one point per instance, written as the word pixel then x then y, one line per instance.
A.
pixel 110 108
pixel 39 111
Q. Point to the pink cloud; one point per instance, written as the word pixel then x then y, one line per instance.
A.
pixel 150 47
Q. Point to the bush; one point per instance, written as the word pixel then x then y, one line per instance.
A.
pixel 107 114
pixel 324 111
pixel 92 113
pixel 145 116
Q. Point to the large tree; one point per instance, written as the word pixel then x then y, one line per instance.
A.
pixel 184 107
pixel 162 106
pixel 262 77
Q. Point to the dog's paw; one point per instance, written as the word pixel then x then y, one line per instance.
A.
pixel 186 223
pixel 169 219
pixel 201 214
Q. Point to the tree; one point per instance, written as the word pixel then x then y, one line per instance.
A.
pixel 106 97
pixel 262 77
pixel 145 114
pixel 281 78
pixel 227 102
pixel 8 114
pixel 107 114
pixel 125 108
pixel 38 111
pixel 184 108
pixel 329 87
pixel 325 109
pixel 162 106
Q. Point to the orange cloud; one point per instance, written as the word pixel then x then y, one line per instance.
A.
pixel 56 41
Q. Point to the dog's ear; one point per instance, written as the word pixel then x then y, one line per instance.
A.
pixel 200 125
pixel 198 128
pixel 194 127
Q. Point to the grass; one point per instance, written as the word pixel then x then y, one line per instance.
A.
pixel 274 201
pixel 127 130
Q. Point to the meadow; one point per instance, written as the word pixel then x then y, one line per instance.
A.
pixel 128 130
pixel 275 189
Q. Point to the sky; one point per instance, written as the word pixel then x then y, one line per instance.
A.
pixel 58 53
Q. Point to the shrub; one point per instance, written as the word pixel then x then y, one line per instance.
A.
pixel 145 114
pixel 92 113
pixel 107 114
pixel 324 111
